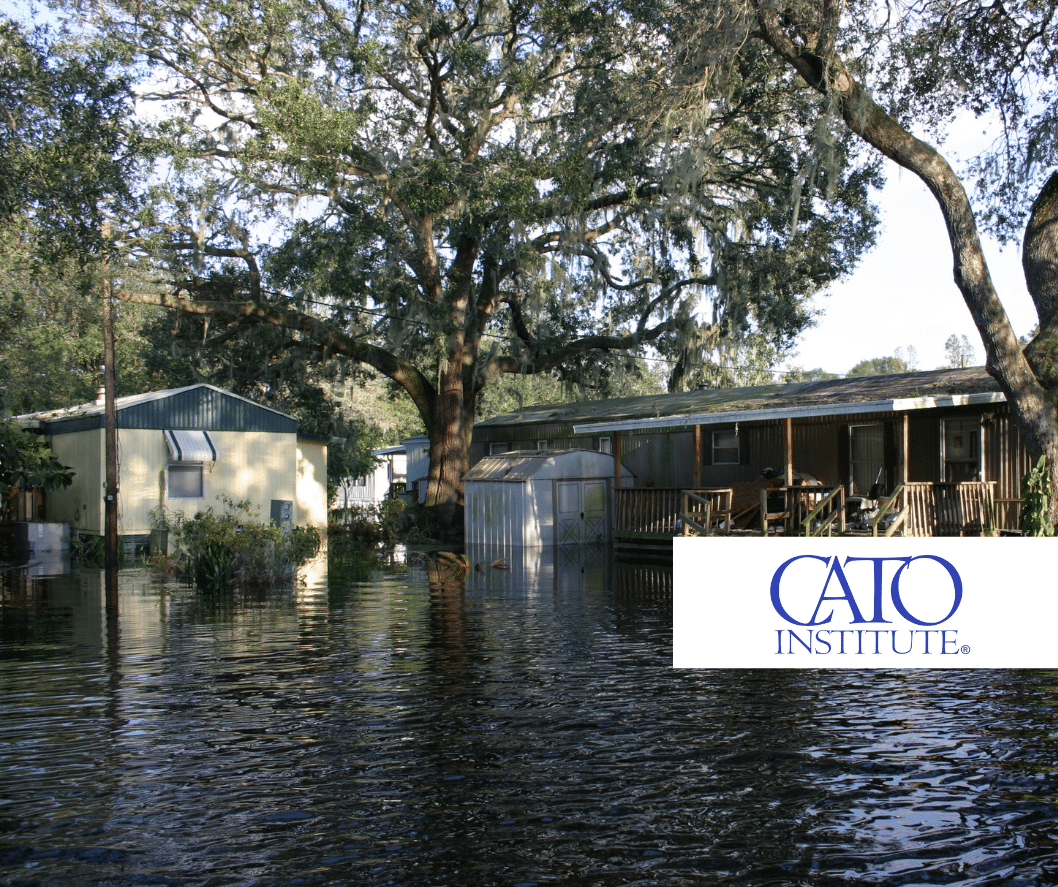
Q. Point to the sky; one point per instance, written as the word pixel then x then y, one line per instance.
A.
pixel 902 293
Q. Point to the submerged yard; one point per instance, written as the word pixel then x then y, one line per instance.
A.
pixel 527 728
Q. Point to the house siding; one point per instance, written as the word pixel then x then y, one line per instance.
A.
pixel 656 459
pixel 260 459
pixel 311 484
pixel 81 504
pixel 255 466
pixel 142 457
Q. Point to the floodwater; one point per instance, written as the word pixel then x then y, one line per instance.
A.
pixel 524 730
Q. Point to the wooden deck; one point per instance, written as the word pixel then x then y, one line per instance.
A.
pixel 649 518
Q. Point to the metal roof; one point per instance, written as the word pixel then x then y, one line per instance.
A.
pixel 519 466
pixel 905 391
pixel 201 407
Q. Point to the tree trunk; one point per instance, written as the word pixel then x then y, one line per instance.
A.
pixel 453 415
pixel 449 447
pixel 1039 258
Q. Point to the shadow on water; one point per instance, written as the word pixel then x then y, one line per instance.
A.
pixel 523 726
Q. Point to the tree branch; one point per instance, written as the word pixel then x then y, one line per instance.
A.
pixel 405 374
pixel 863 116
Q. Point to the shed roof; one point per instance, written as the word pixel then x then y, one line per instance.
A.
pixel 904 391
pixel 521 465
pixel 200 407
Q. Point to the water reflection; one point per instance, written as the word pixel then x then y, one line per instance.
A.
pixel 524 727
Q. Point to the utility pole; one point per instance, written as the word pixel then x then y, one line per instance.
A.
pixel 110 416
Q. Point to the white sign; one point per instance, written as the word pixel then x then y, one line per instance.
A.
pixel 848 602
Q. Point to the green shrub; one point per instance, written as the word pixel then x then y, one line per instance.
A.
pixel 90 551
pixel 235 549
pixel 372 523
pixel 1036 493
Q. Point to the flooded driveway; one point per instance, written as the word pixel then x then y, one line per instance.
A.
pixel 526 730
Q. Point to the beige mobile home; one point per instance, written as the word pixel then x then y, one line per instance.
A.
pixel 185 450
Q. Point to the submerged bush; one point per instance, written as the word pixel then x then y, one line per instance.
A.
pixel 373 523
pixel 235 549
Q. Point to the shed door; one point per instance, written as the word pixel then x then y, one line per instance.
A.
pixel 581 512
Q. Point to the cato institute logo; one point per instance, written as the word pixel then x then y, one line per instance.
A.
pixel 862 603
pixel 909 612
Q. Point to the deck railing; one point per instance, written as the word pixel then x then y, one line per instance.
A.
pixel 944 509
pixel 804 510
pixel 706 511
pixel 657 511
pixel 892 516
pixel 827 515
pixel 914 509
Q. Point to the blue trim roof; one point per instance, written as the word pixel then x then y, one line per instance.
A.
pixel 196 407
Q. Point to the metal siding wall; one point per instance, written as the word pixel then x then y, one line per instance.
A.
pixel 538 512
pixel 310 485
pixel 496 513
pixel 767 448
pixel 472 508
pixel 658 459
pixel 525 436
pixel 722 475
pixel 256 466
pixel 81 505
pixel 142 457
pixel 418 461
pixel 1008 460
pixel 924 458
pixel 559 436
pixel 815 450
pixel 667 460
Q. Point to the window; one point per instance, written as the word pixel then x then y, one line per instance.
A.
pixel 495 449
pixel 866 457
pixel 541 444
pixel 961 450
pixel 185 480
pixel 605 445
pixel 188 453
pixel 725 447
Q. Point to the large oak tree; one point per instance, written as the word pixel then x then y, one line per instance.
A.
pixel 447 191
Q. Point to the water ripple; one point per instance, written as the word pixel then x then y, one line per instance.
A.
pixel 378 732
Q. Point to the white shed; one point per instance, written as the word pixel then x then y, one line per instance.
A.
pixel 541 497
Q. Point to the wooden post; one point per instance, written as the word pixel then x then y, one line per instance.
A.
pixel 617 459
pixel 697 457
pixel 788 436
pixel 905 449
pixel 110 418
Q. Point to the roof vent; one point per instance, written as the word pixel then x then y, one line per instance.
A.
pixel 101 396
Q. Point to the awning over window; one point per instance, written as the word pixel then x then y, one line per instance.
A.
pixel 190 446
